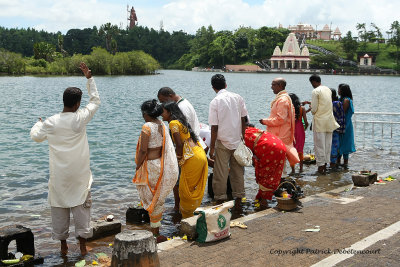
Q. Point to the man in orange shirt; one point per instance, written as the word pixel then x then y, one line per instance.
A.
pixel 281 119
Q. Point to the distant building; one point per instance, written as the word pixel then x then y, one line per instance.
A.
pixel 366 60
pixel 325 33
pixel 337 35
pixel 290 57
pixel 307 31
pixel 303 30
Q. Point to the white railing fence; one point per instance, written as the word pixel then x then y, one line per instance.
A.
pixel 389 132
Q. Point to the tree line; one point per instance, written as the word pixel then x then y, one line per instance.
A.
pixel 42 52
pixel 100 61
pixel 177 50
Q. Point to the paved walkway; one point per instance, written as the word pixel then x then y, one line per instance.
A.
pixel 358 227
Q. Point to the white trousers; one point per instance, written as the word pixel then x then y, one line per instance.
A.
pixel 60 218
pixel 322 147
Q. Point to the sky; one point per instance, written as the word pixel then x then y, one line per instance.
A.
pixel 190 15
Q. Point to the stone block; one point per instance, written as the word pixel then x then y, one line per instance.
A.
pixel 188 227
pixel 23 237
pixel 102 228
pixel 135 248
pixel 137 215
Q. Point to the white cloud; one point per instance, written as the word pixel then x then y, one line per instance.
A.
pixel 190 15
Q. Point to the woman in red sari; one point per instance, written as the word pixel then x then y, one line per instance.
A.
pixel 269 154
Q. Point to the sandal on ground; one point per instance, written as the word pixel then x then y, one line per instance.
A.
pixel 238 224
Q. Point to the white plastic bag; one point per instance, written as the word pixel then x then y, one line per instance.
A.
pixel 214 223
pixel 243 155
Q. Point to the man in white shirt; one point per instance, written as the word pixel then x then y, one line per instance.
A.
pixel 69 162
pixel 323 123
pixel 166 94
pixel 227 115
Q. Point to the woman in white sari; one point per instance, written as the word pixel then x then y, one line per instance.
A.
pixel 156 165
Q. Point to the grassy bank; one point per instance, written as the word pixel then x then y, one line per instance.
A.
pixel 385 54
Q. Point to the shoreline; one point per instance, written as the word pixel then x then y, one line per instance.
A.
pixel 309 72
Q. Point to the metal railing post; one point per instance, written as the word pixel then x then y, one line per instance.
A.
pixel 382 137
pixel 373 122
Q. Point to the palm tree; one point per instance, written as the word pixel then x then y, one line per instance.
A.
pixel 108 31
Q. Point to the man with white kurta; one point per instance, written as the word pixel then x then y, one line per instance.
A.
pixel 323 123
pixel 69 162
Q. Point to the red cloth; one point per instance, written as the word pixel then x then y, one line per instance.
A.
pixel 269 157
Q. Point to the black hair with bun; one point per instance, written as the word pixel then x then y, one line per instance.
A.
pixel 151 108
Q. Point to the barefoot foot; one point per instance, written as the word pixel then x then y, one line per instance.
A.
pixel 64 248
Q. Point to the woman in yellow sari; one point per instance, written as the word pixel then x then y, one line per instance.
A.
pixel 191 158
pixel 156 165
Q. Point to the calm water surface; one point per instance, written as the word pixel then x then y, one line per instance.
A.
pixel 114 131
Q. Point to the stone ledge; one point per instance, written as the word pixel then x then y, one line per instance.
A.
pixel 188 227
pixel 102 228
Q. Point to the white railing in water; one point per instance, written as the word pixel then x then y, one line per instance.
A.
pixel 391 123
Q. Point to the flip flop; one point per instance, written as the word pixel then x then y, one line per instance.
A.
pixel 238 224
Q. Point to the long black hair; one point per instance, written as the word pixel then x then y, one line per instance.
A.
pixel 345 91
pixel 296 104
pixel 334 95
pixel 176 114
pixel 151 108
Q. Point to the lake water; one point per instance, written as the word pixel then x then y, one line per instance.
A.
pixel 114 131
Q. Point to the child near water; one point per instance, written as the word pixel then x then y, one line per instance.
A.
pixel 299 128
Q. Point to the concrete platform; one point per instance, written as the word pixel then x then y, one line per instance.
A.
pixel 354 226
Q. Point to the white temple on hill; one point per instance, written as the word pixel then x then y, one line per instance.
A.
pixel 307 31
pixel 290 57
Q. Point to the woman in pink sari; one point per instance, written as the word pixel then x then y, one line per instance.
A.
pixel 156 165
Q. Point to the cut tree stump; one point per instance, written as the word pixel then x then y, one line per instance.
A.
pixel 135 248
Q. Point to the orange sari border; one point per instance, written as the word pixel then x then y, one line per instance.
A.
pixel 142 176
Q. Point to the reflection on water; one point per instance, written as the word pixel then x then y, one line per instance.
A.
pixel 113 135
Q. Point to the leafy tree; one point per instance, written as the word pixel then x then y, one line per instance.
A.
pixel 22 40
pixel 349 45
pixel 395 38
pixel 99 61
pixel 242 39
pixel 267 39
pixel 362 34
pixel 60 44
pixel 108 31
pixel 11 63
pixel 377 33
pixel 113 46
pixel 44 51
pixel 324 61
pixel 222 48
pixel 201 43
pixel 78 41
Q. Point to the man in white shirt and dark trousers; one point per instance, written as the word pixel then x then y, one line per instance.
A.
pixel 69 162
pixel 227 114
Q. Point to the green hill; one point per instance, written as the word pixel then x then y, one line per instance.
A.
pixel 385 54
